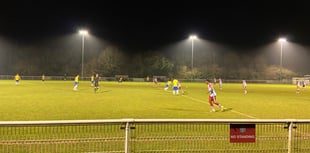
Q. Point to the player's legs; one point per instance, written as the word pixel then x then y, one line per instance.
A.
pixel 297 89
pixel 75 86
pixel 96 84
pixel 218 104
pixel 180 88
pixel 211 101
pixel 166 87
pixel 175 90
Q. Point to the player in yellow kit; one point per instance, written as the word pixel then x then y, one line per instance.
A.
pixel 175 88
pixel 167 85
pixel 92 79
pixel 76 82
pixel 17 78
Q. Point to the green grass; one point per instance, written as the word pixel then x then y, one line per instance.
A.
pixel 55 100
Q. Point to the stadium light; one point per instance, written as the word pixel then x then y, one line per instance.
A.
pixel 281 40
pixel 83 33
pixel 192 37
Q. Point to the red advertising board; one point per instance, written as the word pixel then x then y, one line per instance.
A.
pixel 242 133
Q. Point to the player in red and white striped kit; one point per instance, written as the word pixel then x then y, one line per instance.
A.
pixel 244 86
pixel 212 97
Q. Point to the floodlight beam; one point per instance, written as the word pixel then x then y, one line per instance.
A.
pixel 281 40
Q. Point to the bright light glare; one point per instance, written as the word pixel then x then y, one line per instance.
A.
pixel 193 37
pixel 83 32
pixel 282 39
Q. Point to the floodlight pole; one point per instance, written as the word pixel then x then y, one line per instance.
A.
pixel 192 54
pixel 83 33
pixel 83 38
pixel 281 61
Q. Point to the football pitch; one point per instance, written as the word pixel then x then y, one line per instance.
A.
pixel 55 100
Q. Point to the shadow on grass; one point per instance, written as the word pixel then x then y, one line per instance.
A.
pixel 227 109
pixel 180 109
pixel 101 91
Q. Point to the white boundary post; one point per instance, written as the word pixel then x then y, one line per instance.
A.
pixel 290 135
pixel 127 137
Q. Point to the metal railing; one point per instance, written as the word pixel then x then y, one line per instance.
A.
pixel 162 79
pixel 156 135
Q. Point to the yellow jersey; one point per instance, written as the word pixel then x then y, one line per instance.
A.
pixel 175 82
pixel 169 83
pixel 17 77
pixel 76 79
pixel 92 78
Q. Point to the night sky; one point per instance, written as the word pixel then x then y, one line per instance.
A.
pixel 152 24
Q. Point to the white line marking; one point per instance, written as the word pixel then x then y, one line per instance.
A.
pixel 201 101
pixel 249 116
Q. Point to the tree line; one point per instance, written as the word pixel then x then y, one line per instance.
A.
pixel 110 61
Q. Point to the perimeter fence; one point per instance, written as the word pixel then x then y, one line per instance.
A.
pixel 156 135
pixel 160 79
